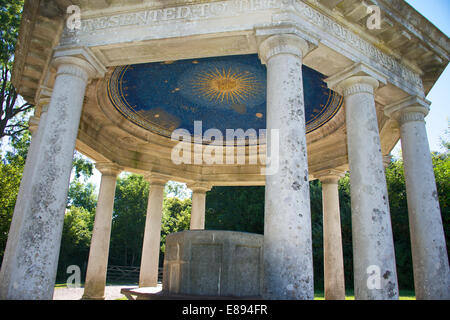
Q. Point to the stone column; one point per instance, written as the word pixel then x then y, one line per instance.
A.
pixel 37 127
pixel 198 205
pixel 429 252
pixel 150 250
pixel 387 160
pixel 375 276
pixel 288 265
pixel 31 257
pixel 98 254
pixel 332 240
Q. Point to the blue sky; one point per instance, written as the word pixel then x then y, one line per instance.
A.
pixel 438 12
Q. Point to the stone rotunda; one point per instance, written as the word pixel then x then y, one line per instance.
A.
pixel 312 87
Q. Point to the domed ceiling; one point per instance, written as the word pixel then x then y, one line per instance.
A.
pixel 224 93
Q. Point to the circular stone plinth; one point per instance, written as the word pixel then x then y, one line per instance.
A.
pixel 213 263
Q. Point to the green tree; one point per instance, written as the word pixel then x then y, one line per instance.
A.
pixel 10 15
pixel 235 209
pixel 76 239
pixel 12 107
pixel 11 169
pixel 176 216
pixel 83 168
pixel 82 195
pixel 130 207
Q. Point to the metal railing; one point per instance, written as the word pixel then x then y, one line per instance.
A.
pixel 126 274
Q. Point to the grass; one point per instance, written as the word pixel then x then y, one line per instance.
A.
pixel 318 295
pixel 404 295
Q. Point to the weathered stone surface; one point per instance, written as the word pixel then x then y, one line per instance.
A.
pixel 31 256
pixel 213 263
pixel 198 205
pixel 288 265
pixel 373 247
pixel 333 258
pixel 148 276
pixel 94 287
pixel 429 250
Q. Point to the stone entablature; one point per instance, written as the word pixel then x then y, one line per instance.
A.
pixel 228 17
pixel 411 39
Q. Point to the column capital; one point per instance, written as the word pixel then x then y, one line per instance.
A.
pixel 286 43
pixel 33 124
pixel 356 79
pixel 156 179
pixel 82 58
pixel 330 176
pixel 108 168
pixel 200 187
pixel 413 108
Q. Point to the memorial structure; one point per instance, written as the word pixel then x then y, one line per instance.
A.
pixel 319 87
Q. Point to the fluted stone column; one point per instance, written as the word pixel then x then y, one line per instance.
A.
pixel 31 257
pixel 198 205
pixel 429 252
pixel 150 250
pixel 98 254
pixel 375 275
pixel 332 238
pixel 288 267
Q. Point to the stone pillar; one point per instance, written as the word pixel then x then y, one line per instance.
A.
pixel 429 252
pixel 375 276
pixel 31 256
pixel 150 250
pixel 387 160
pixel 288 265
pixel 332 240
pixel 98 255
pixel 37 127
pixel 198 205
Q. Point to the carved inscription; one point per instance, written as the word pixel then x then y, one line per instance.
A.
pixel 192 12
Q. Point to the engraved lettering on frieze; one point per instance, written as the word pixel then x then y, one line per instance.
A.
pixel 192 12
pixel 235 7
pixel 358 43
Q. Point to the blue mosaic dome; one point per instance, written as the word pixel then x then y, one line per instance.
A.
pixel 223 92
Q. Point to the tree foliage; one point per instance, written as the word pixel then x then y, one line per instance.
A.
pixel 235 209
pixel 228 208
pixel 176 216
pixel 10 15
pixel 130 207
pixel 11 169
pixel 12 106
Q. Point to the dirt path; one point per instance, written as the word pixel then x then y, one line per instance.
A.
pixel 111 293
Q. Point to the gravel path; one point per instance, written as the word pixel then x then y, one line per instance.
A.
pixel 111 293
